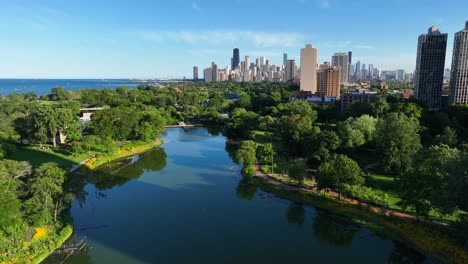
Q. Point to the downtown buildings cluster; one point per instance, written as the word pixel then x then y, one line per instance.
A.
pixel 322 83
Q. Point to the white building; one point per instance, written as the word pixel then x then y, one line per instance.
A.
pixel 309 69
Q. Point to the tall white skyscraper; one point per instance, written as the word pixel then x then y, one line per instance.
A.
pixel 459 72
pixel 285 59
pixel 262 61
pixel 309 69
pixel 341 60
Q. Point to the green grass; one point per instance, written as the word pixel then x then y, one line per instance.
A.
pixel 389 185
pixel 37 156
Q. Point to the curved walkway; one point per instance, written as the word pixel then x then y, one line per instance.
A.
pixel 284 186
pixel 77 166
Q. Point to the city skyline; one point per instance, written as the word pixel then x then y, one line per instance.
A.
pixel 123 40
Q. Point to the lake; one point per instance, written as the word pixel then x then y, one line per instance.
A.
pixel 186 202
pixel 43 86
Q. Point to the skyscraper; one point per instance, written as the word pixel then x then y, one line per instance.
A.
pixel 208 75
pixel 262 60
pixel 341 60
pixel 285 59
pixel 357 71
pixel 235 58
pixel 195 72
pixel 459 72
pixel 447 74
pixel 309 69
pixel 350 64
pixel 430 62
pixel 328 80
pixel 290 70
pixel 400 74
pixel 214 66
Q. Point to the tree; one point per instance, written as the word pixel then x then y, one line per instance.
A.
pixel 356 132
pixel 296 171
pixel 44 191
pixel 266 152
pixel 48 122
pixel 398 141
pixel 296 125
pixel 449 137
pixel 59 94
pixel 435 180
pixel 323 145
pixel 241 123
pixel 337 172
pixel 11 173
pixel 380 107
pixel 246 155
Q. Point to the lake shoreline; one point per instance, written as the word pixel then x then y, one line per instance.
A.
pixel 437 244
pixel 68 228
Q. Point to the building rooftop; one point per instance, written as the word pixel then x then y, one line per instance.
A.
pixel 433 30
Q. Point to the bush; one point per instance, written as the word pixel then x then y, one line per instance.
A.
pixel 366 194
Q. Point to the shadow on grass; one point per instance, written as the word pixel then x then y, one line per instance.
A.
pixel 37 156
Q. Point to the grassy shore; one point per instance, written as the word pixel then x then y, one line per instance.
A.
pixel 434 240
pixel 37 250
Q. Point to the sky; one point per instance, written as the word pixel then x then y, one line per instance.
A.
pixel 165 39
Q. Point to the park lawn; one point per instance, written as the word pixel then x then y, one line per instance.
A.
pixel 37 156
pixel 389 185
pixel 268 137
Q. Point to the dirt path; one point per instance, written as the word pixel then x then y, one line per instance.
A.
pixel 284 186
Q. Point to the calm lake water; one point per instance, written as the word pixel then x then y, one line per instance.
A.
pixel 43 86
pixel 186 203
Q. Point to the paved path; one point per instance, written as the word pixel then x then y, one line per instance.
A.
pixel 77 166
pixel 275 182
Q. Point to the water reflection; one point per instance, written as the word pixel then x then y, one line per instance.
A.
pixel 296 214
pixel 334 229
pixel 246 189
pixel 118 173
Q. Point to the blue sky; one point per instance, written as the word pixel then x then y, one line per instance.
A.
pixel 147 39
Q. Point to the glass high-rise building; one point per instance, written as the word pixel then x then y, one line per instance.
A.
pixel 459 72
pixel 430 64
pixel 235 58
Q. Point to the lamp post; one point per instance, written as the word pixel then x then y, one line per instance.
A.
pixel 272 157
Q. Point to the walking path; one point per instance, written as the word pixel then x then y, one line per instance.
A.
pixel 284 186
pixel 77 166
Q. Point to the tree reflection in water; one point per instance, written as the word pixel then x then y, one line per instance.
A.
pixel 333 229
pixel 296 214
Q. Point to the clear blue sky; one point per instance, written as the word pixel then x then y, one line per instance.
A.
pixel 151 38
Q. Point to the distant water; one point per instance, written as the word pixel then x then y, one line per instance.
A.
pixel 43 86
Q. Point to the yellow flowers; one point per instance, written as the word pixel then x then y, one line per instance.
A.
pixel 130 151
pixel 41 232
pixel 90 163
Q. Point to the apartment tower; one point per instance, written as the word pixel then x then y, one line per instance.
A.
pixel 195 72
pixel 459 72
pixel 341 60
pixel 309 69
pixel 328 80
pixel 430 62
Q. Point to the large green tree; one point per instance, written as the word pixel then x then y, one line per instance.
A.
pixel 398 141
pixel 246 155
pixel 337 172
pixel 45 190
pixel 356 132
